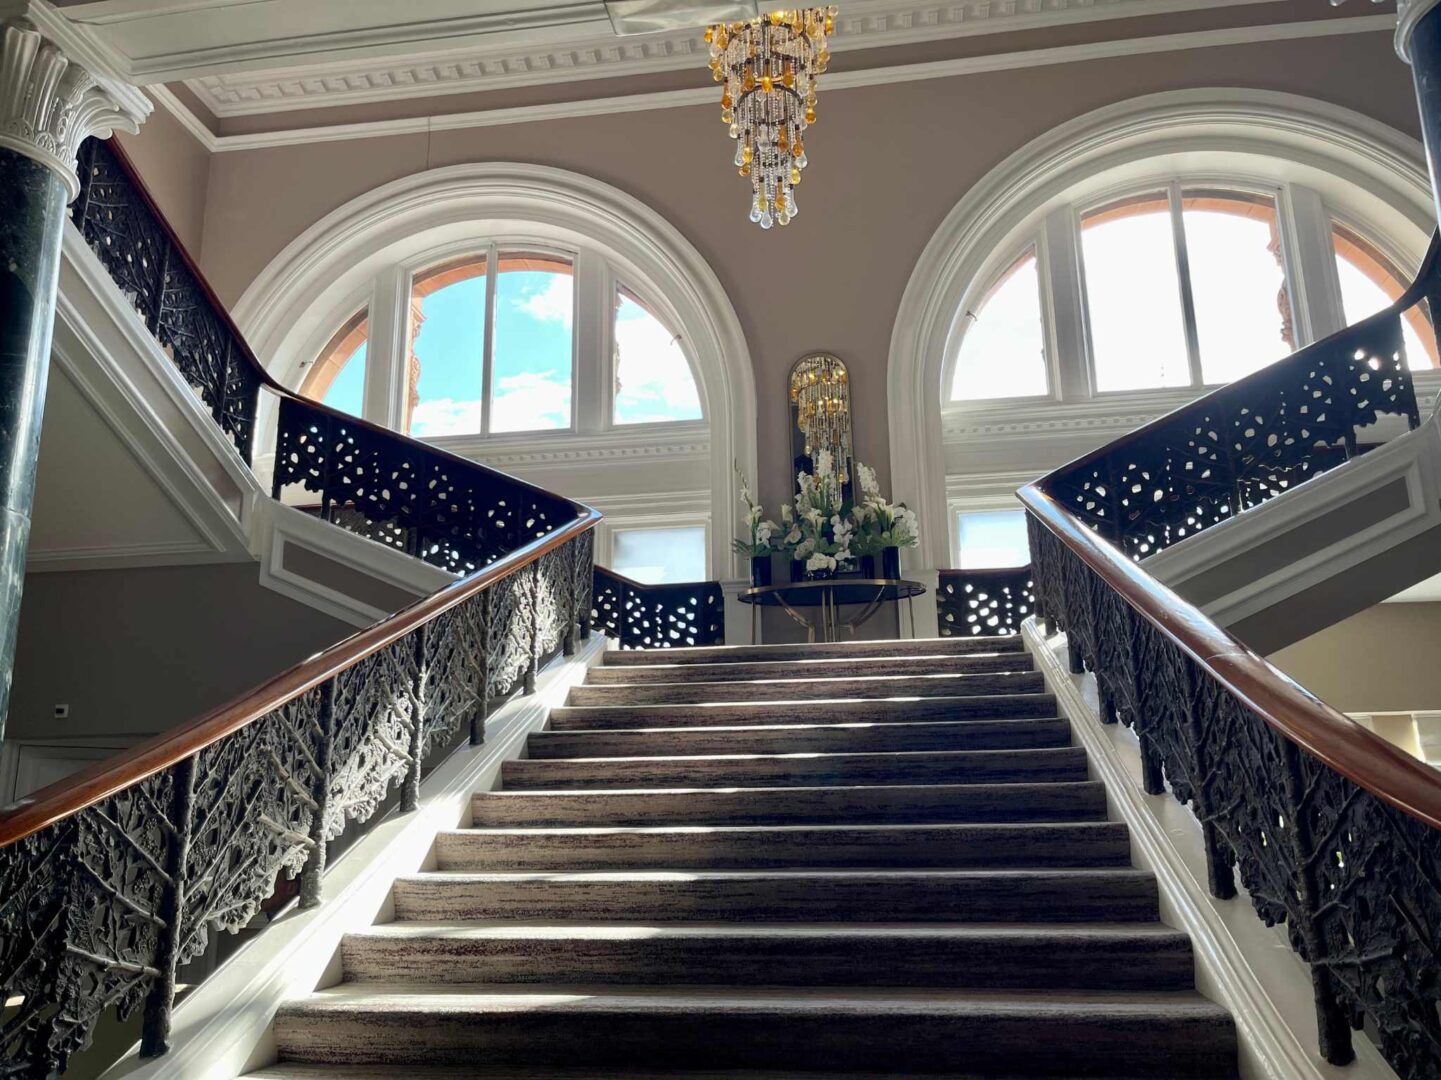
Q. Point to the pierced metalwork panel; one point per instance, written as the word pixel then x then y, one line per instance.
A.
pixel 1356 882
pixel 658 616
pixel 131 240
pixel 398 492
pixel 1246 443
pixel 984 603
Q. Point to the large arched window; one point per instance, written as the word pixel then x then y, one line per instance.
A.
pixel 1175 285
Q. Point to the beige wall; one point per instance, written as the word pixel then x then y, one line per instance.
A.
pixel 176 169
pixel 1384 659
pixel 139 651
pixel 888 163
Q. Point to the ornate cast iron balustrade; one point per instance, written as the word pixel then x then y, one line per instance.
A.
pixel 644 616
pixel 111 880
pixel 1330 829
pixel 984 603
pixel 1253 439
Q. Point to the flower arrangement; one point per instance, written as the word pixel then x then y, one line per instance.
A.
pixel 822 529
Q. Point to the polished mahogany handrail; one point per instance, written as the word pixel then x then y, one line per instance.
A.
pixel 1328 735
pixel 105 778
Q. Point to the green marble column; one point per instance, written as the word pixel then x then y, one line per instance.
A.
pixel 32 222
pixel 48 107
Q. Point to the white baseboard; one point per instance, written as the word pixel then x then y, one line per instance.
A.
pixel 1241 964
pixel 223 1028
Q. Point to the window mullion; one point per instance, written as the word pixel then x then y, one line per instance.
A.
pixel 1309 258
pixel 492 272
pixel 1063 307
pixel 383 400
pixel 1183 274
pixel 591 363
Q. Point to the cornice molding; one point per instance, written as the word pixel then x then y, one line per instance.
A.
pixel 586 48
pixel 50 104
pixel 845 80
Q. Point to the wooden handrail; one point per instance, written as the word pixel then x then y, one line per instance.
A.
pixel 105 778
pixel 1328 735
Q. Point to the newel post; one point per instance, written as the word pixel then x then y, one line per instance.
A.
pixel 49 105
pixel 1418 40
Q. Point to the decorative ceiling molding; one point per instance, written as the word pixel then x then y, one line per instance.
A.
pixel 416 62
pixel 669 99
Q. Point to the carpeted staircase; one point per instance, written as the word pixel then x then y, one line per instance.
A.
pixel 870 859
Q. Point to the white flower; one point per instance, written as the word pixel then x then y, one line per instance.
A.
pixel 764 531
pixel 825 463
pixel 786 514
pixel 820 561
pixel 867 482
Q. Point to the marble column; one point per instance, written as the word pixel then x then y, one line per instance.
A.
pixel 1418 40
pixel 48 106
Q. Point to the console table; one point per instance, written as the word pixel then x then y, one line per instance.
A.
pixel 829 595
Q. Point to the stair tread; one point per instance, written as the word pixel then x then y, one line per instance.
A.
pixel 955 707
pixel 879 829
pixel 296 1070
pixel 624 930
pixel 730 685
pixel 743 653
pixel 761 729
pixel 1120 873
pixel 1001 786
pixel 1034 752
pixel 429 998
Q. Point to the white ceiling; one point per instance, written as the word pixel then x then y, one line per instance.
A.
pixel 260 56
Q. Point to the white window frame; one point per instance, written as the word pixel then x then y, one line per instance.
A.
pixel 1304 218
pixel 595 284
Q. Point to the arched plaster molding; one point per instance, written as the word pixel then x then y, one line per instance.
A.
pixel 325 269
pixel 1309 133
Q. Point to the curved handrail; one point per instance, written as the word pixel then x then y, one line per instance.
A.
pixel 1325 733
pixel 96 782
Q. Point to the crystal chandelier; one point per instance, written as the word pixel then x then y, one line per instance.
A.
pixel 769 67
pixel 821 396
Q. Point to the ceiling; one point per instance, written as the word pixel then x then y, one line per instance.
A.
pixel 243 57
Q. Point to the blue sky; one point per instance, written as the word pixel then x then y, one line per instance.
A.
pixel 532 380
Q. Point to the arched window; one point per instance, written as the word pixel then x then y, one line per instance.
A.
pixel 652 382
pixel 1172 285
pixel 337 378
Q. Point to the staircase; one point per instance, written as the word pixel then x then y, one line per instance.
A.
pixel 858 859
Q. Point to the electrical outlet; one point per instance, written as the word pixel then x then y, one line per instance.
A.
pixel 62 712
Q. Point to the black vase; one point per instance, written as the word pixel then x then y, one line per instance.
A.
pixel 760 571
pixel 868 567
pixel 891 562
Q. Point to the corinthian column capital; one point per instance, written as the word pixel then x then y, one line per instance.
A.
pixel 1408 14
pixel 49 104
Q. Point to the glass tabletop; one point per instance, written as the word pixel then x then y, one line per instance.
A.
pixel 836 591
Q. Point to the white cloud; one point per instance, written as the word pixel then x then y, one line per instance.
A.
pixel 445 416
pixel 655 379
pixel 552 302
pixel 530 401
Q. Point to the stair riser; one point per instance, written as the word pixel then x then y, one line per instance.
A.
pixel 993 766
pixel 1076 897
pixel 829 669
pixel 817 690
pixel 739 714
pixel 853 806
pixel 1014 961
pixel 774 653
pixel 1009 1042
pixel 974 735
pixel 1102 844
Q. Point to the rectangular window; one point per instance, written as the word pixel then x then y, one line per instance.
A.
pixel 660 556
pixel 534 332
pixel 991 539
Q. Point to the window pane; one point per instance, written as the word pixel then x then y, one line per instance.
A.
pixel 653 380
pixel 447 335
pixel 337 378
pixel 1003 353
pixel 1369 282
pixel 661 556
pixel 1242 310
pixel 1133 295
pixel 534 320
pixel 992 538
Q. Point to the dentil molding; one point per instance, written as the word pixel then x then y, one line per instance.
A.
pixel 586 49
pixel 49 104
